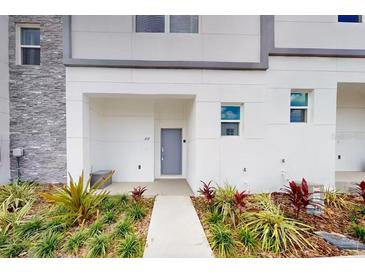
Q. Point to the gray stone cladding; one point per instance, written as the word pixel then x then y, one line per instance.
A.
pixel 38 104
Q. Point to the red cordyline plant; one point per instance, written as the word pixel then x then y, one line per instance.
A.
pixel 361 190
pixel 137 192
pixel 207 191
pixel 299 195
pixel 240 200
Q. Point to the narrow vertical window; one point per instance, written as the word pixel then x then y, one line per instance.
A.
pixel 298 107
pixel 230 120
pixel 30 46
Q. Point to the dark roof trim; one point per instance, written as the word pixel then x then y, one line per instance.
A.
pixel 267 47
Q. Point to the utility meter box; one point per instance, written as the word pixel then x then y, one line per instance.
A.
pixel 317 200
pixel 18 152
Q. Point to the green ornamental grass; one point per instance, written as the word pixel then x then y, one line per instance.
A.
pixel 130 247
pixel 47 245
pixel 123 228
pixel 222 240
pixel 75 241
pixel 13 249
pixel 98 245
pixel 136 211
pixel 29 228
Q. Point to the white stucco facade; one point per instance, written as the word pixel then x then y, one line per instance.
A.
pixel 115 115
pixel 4 102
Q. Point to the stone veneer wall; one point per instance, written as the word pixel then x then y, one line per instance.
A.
pixel 38 104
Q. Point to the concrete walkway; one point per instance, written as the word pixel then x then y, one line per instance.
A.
pixel 175 230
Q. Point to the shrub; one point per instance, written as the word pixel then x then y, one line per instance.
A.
pixel 224 202
pixel 18 194
pixel 299 195
pixel 99 245
pixel 47 245
pixel 334 198
pixel 109 217
pixel 136 212
pixel 9 219
pixel 75 241
pixel 13 249
pixel 222 240
pixel 248 239
pixel 95 228
pixel 277 232
pixel 137 192
pixel 59 223
pixel 207 191
pixel 215 217
pixel 239 199
pixel 109 203
pixel 361 190
pixel 359 231
pixel 130 247
pixel 123 228
pixel 29 228
pixel 80 200
pixel 124 200
pixel 3 238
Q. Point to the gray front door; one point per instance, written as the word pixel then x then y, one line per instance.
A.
pixel 171 148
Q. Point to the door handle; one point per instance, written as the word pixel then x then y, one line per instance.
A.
pixel 162 149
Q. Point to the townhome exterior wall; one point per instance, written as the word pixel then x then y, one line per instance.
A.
pixel 38 105
pixel 4 101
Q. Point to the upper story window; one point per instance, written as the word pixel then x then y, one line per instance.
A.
pixel 29 46
pixel 349 18
pixel 230 120
pixel 167 23
pixel 298 106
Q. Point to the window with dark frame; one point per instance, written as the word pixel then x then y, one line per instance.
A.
pixel 30 46
pixel 230 120
pixel 298 106
pixel 167 23
pixel 349 18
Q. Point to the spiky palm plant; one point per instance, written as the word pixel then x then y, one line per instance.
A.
pixel 80 200
pixel 276 232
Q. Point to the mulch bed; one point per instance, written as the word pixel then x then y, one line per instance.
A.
pixel 333 220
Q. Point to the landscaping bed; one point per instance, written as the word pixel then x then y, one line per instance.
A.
pixel 241 225
pixel 37 226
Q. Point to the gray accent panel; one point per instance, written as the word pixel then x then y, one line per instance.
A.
pixel 73 62
pixel 38 104
pixel 316 52
pixel 171 151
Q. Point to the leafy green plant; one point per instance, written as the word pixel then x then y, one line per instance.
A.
pixel 29 228
pixel 358 231
pixel 109 203
pixel 335 199
pixel 75 241
pixel 130 247
pixel 9 219
pixel 222 240
pixel 18 194
pixel 248 239
pixel 224 202
pixel 13 248
pixel 277 232
pixel 109 217
pixel 215 217
pixel 80 200
pixel 95 228
pixel 136 212
pixel 123 228
pixel 46 246
pixel 124 199
pixel 98 245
